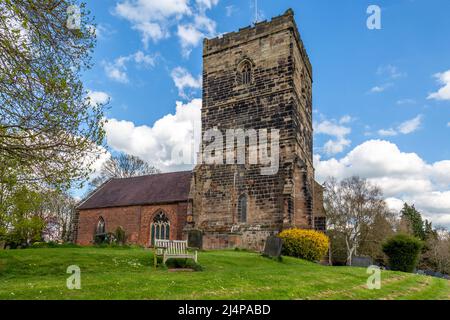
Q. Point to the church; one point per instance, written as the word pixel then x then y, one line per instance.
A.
pixel 260 79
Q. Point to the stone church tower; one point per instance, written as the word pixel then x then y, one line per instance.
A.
pixel 257 78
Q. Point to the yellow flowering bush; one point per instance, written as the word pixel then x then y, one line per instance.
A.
pixel 305 244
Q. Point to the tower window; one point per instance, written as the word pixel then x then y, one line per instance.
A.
pixel 245 73
pixel 242 208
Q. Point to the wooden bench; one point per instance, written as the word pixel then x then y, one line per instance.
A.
pixel 173 249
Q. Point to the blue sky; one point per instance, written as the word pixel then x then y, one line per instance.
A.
pixel 381 97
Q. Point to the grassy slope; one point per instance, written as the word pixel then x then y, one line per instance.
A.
pixel 127 274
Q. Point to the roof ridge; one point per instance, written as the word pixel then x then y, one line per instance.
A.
pixel 152 174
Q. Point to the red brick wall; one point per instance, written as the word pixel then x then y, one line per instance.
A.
pixel 134 220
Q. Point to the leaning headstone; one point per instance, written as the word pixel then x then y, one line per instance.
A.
pixel 195 239
pixel 273 247
pixel 362 262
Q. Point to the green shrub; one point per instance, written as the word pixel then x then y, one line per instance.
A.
pixel 120 235
pixel 305 244
pixel 403 252
pixel 183 264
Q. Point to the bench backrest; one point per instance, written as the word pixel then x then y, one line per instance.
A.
pixel 172 247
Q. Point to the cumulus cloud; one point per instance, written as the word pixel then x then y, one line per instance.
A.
pixel 183 79
pixel 406 127
pixel 191 34
pixel 444 92
pixel 339 132
pixel 170 144
pixel 98 98
pixel 117 70
pixel 154 18
pixel 402 176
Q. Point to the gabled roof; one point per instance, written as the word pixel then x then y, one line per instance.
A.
pixel 144 190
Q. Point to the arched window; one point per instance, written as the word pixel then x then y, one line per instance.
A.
pixel 160 227
pixel 101 227
pixel 244 76
pixel 242 208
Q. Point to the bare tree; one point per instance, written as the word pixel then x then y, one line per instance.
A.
pixel 350 205
pixel 58 213
pixel 437 255
pixel 123 166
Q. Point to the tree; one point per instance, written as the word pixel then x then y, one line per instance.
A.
pixel 123 166
pixel 22 219
pixel 373 236
pixel 49 130
pixel 437 255
pixel 412 220
pixel 350 205
pixel 58 214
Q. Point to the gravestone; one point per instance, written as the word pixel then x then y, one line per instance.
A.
pixel 273 247
pixel 2 245
pixel 362 261
pixel 195 239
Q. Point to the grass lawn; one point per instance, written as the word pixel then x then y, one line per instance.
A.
pixel 108 273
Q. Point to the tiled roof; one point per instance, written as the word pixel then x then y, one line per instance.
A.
pixel 151 189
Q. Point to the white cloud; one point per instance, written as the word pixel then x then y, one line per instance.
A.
pixel 346 119
pixel 410 125
pixel 174 133
pixel 98 98
pixel 207 4
pixel 336 146
pixel 154 18
pixel 191 34
pixel 340 133
pixel 151 10
pixel 448 124
pixel 406 101
pixel 116 73
pixel 183 79
pixel 406 127
pixel 117 70
pixel 390 71
pixel 387 132
pixel 381 88
pixel 151 31
pixel 444 92
pixel 402 176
